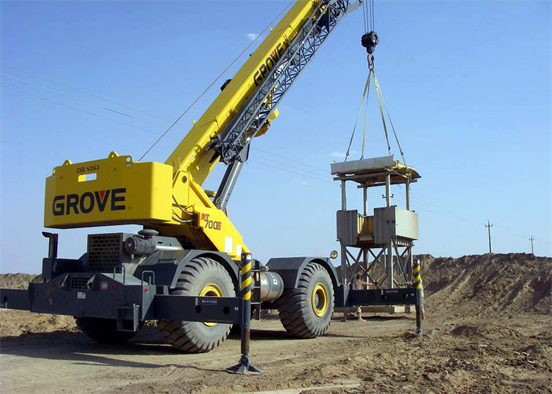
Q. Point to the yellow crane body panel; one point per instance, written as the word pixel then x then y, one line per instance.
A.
pixel 169 197
pixel 110 191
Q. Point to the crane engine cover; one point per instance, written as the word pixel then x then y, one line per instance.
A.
pixel 110 191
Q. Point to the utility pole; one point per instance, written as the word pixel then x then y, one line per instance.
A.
pixel 489 225
pixel 532 239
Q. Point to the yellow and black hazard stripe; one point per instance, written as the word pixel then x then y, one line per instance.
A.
pixel 417 275
pixel 246 278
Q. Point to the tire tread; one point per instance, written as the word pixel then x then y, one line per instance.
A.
pixel 180 334
pixel 293 307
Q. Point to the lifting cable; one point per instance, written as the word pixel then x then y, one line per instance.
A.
pixel 370 40
pixel 381 113
pixel 368 13
pixel 380 96
pixel 365 94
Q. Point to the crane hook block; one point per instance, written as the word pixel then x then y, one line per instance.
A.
pixel 370 41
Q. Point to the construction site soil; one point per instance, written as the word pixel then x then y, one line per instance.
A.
pixel 488 329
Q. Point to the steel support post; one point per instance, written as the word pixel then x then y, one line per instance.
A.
pixel 343 246
pixel 389 263
pixel 407 186
pixel 418 285
pixel 365 200
pixel 388 190
pixel 246 279
pixel 410 257
pixel 343 196
pixel 365 210
pixel 389 260
pixel 410 263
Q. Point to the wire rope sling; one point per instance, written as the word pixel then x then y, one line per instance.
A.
pixel 370 40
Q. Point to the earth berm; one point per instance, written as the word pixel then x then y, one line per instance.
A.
pixel 488 329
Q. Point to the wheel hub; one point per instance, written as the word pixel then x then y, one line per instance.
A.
pixel 211 290
pixel 320 300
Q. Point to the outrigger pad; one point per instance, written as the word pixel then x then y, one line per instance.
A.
pixel 244 366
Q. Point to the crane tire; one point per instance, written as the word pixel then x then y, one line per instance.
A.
pixel 306 311
pixel 103 330
pixel 205 277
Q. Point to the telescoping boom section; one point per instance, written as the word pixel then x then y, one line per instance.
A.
pixel 169 197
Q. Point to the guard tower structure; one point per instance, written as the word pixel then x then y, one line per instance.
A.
pixel 387 235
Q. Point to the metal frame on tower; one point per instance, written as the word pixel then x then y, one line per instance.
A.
pixel 383 238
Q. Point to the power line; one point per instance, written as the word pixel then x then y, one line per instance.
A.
pixel 532 239
pixel 211 84
pixel 78 109
pixel 112 110
pixel 292 160
pixel 147 130
pixel 425 206
pixel 327 176
pixel 435 206
pixel 512 233
pixel 85 92
pixel 440 213
pixel 63 94
pixel 76 98
pixel 291 172
pixel 428 208
pixel 156 133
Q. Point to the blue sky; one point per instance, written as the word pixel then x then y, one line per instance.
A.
pixel 467 84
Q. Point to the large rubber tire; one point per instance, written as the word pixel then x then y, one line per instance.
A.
pixel 198 337
pixel 298 315
pixel 103 330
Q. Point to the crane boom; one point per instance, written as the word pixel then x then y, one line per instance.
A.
pixel 169 197
pixel 251 96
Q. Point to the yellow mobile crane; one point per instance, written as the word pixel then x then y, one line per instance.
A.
pixel 181 269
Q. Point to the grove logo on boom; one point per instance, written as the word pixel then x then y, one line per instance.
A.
pixel 269 63
pixel 112 199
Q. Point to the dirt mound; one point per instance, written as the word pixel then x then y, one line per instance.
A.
pixel 490 283
pixel 18 281
pixel 483 284
pixel 15 323
pixel 485 330
pixel 467 286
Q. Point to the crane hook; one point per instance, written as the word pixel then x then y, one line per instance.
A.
pixel 371 62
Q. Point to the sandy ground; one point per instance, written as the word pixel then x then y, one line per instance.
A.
pixel 380 355
pixel 488 325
